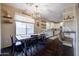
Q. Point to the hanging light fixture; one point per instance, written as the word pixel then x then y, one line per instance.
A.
pixel 36 15
pixel 29 4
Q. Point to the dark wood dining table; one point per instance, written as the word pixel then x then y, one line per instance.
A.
pixel 25 40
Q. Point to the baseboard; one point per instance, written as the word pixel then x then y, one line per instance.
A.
pixel 6 48
pixel 4 53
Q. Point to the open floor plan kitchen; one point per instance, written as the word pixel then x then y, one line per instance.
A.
pixel 39 29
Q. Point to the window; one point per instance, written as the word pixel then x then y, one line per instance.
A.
pixel 30 29
pixel 20 28
pixel 24 28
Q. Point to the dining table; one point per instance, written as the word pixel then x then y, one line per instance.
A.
pixel 25 40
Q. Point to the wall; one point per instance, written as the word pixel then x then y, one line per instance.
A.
pixel 0 28
pixel 74 26
pixel 8 29
pixel 77 29
pixel 69 25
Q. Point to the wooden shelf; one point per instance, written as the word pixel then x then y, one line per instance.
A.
pixel 7 20
pixel 7 17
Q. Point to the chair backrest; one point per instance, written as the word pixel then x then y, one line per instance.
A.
pixel 17 42
pixel 42 36
pixel 34 36
pixel 12 42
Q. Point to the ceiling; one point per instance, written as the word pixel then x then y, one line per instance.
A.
pixel 50 11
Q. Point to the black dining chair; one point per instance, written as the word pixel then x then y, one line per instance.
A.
pixel 17 46
pixel 12 45
pixel 42 39
pixel 34 43
pixel 27 47
pixel 34 39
